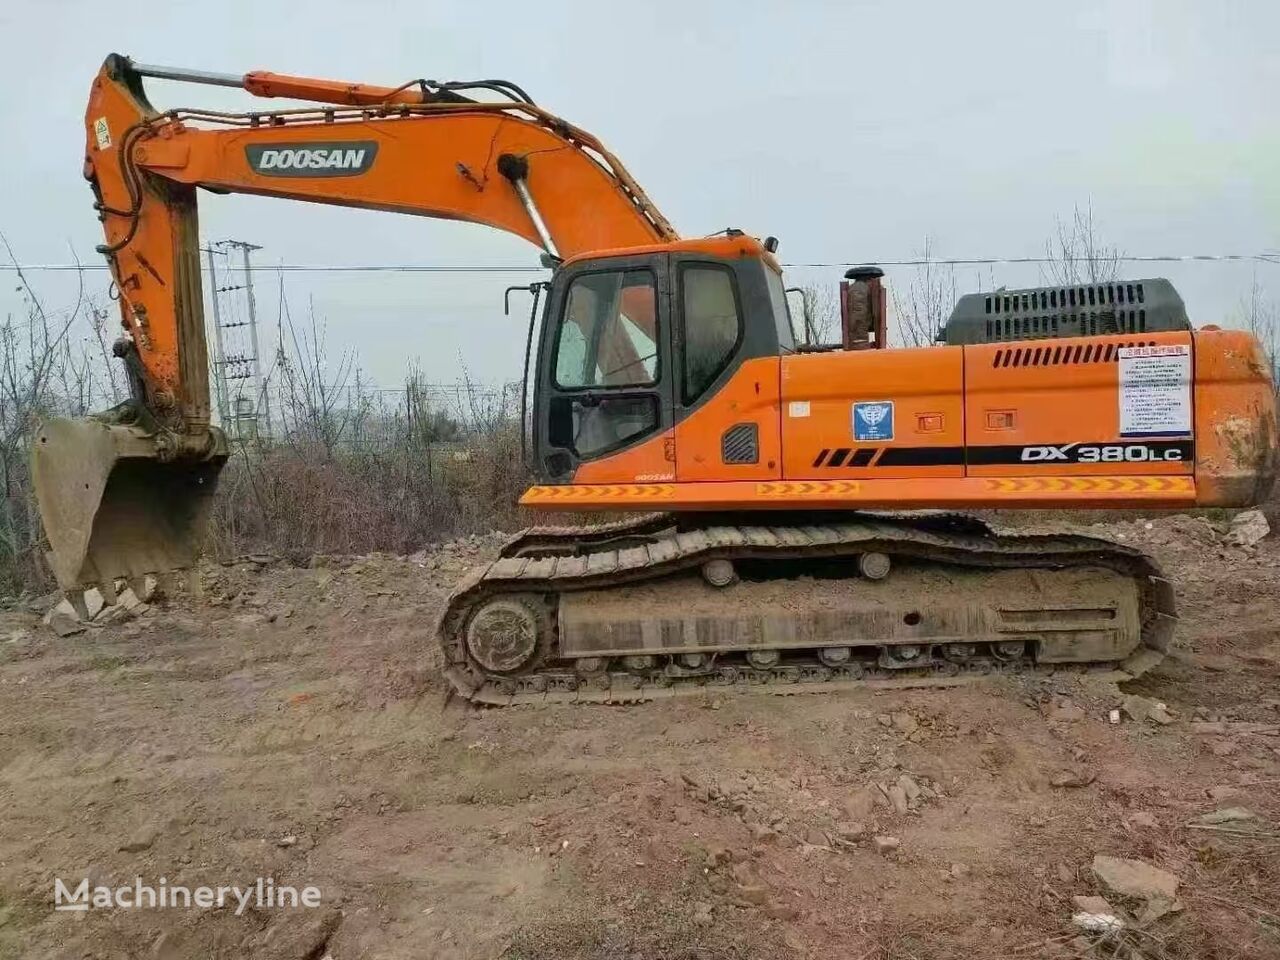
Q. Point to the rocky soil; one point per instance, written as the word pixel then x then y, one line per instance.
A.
pixel 291 723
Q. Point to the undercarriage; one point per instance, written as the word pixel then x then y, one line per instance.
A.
pixel 669 605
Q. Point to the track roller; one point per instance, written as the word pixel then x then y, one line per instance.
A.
pixel 719 573
pixel 1009 650
pixel 835 656
pixel 874 566
pixel 902 655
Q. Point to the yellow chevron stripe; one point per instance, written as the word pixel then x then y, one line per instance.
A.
pixel 1091 485
pixel 612 491
pixel 807 488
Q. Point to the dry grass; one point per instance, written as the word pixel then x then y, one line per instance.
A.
pixel 297 501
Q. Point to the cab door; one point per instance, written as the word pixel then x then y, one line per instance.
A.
pixel 728 323
pixel 603 413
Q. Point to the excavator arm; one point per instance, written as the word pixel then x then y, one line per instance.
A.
pixel 128 492
pixel 420 149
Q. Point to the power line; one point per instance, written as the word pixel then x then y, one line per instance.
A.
pixel 1271 258
pixel 309 268
pixel 1268 257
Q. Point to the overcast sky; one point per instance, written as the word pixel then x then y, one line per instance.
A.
pixel 850 130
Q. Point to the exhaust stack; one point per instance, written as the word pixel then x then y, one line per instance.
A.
pixel 862 309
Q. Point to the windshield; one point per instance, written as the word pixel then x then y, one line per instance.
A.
pixel 608 333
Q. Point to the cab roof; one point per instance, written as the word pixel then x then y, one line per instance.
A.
pixel 719 246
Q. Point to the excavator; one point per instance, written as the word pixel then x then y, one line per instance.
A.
pixel 793 507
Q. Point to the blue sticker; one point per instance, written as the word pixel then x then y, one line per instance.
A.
pixel 873 421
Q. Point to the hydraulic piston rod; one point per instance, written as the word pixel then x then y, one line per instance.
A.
pixel 516 169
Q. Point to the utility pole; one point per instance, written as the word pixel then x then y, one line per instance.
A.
pixel 219 360
pixel 262 402
pixel 243 407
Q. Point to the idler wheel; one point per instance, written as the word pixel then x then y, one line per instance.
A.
pixel 503 634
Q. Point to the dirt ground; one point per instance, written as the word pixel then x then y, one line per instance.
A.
pixel 291 724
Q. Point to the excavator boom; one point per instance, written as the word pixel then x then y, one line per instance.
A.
pixel 430 154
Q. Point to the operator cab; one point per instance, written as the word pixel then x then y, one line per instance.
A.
pixel 633 342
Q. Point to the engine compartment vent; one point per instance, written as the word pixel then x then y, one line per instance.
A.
pixel 1084 310
pixel 1053 356
pixel 740 444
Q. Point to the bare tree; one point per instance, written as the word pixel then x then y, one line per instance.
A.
pixel 313 397
pixel 1261 317
pixel 927 303
pixel 820 311
pixel 41 373
pixel 426 423
pixel 1077 254
pixel 98 320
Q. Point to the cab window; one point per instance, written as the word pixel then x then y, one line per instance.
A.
pixel 609 331
pixel 783 321
pixel 712 325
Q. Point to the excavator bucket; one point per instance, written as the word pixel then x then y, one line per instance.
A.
pixel 111 508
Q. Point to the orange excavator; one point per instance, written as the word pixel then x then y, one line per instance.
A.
pixel 780 541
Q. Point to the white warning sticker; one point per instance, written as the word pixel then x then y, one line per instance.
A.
pixel 102 133
pixel 798 409
pixel 1155 391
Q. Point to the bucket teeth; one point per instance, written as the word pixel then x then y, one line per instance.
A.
pixel 110 601
pixel 79 602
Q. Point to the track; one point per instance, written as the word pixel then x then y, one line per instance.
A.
pixel 542 567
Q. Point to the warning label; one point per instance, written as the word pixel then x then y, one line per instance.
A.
pixel 1155 391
